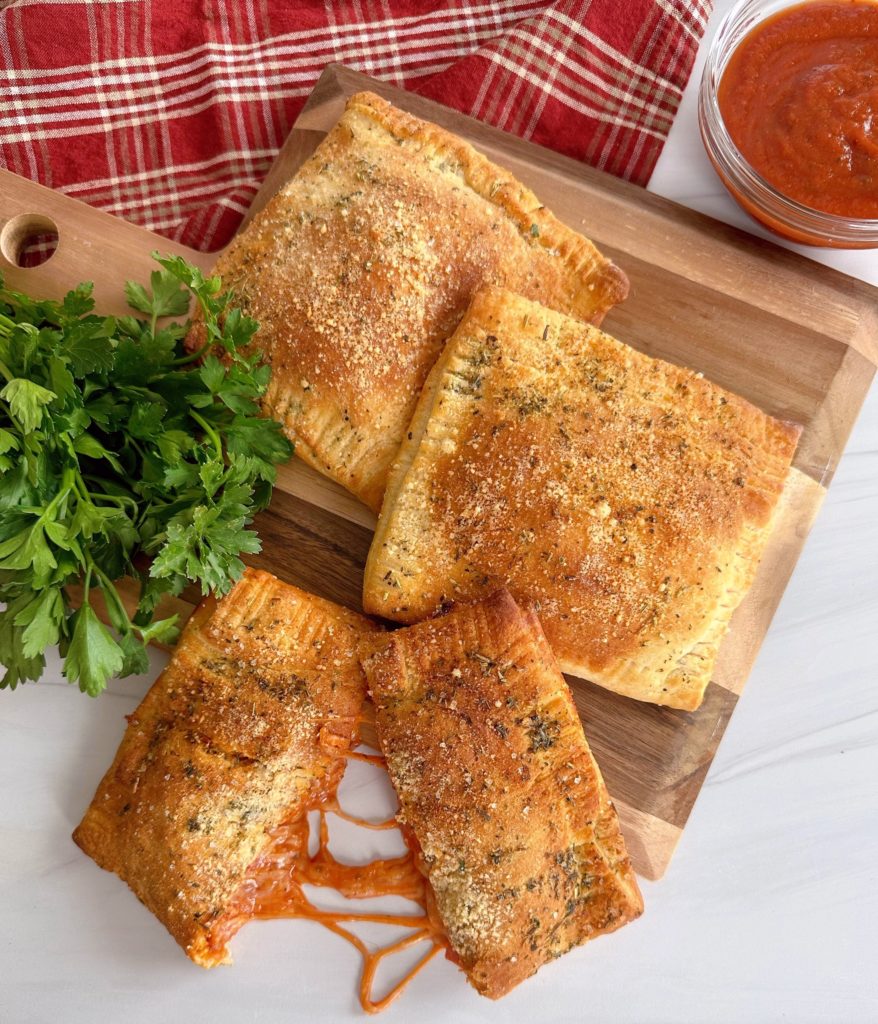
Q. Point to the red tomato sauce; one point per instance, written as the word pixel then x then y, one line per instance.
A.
pixel 799 98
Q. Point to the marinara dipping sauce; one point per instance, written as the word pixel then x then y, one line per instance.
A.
pixel 799 100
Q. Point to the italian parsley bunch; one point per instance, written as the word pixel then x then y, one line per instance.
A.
pixel 123 455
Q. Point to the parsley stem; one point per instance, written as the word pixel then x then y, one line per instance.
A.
pixel 87 495
pixel 86 583
pixel 68 483
pixel 138 448
pixel 117 499
pixel 6 325
pixel 192 357
pixel 82 490
pixel 12 419
pixel 7 373
pixel 111 595
pixel 208 429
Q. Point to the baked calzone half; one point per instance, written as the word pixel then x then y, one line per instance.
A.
pixel 246 728
pixel 499 794
pixel 627 498
pixel 362 265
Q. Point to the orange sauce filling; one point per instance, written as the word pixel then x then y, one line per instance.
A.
pixel 274 889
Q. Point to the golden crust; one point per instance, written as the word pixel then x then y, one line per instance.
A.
pixel 629 499
pixel 516 833
pixel 361 266
pixel 249 721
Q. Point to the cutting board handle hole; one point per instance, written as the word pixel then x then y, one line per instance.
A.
pixel 29 240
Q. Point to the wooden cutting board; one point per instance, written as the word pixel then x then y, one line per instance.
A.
pixel 795 338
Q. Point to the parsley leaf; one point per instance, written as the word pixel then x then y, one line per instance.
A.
pixel 40 620
pixel 88 346
pixel 26 402
pixel 93 655
pixel 168 298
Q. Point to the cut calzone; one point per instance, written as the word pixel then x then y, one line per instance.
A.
pixel 499 794
pixel 362 265
pixel 246 728
pixel 627 498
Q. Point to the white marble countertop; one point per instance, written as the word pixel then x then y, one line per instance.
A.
pixel 769 911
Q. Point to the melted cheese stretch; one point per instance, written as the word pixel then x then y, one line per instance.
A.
pixel 376 759
pixel 274 888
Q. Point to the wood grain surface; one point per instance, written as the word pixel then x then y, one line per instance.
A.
pixel 794 337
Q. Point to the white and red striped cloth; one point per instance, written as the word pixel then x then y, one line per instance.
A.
pixel 168 113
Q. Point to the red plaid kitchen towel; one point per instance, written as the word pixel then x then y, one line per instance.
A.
pixel 168 113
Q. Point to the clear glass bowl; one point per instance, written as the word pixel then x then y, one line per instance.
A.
pixel 760 199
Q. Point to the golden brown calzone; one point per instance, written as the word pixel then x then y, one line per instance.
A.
pixel 629 499
pixel 362 265
pixel 248 724
pixel 498 791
